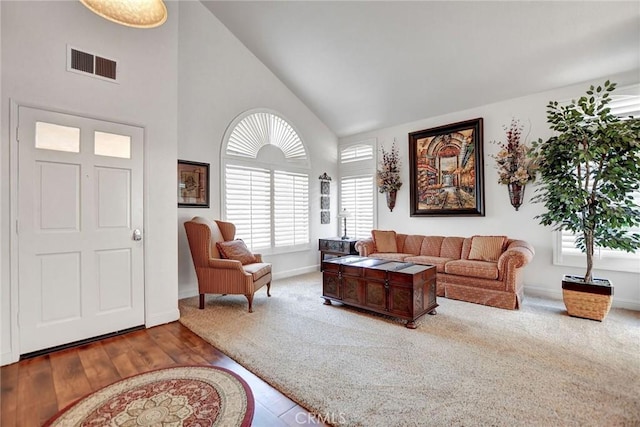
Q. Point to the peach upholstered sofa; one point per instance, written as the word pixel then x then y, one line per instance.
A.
pixel 480 269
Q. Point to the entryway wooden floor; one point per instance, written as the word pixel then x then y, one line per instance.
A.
pixel 33 390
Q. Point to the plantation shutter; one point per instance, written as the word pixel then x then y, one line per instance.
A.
pixel 248 204
pixel 622 106
pixel 356 153
pixel 357 197
pixel 291 208
pixel 357 187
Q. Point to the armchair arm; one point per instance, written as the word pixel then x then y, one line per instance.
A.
pixel 365 247
pixel 229 264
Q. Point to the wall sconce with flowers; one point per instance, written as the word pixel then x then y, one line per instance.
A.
pixel 388 175
pixel 515 162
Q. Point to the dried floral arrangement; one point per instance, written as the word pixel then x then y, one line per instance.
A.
pixel 515 160
pixel 388 173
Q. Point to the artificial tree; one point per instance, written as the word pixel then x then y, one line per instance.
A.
pixel 588 172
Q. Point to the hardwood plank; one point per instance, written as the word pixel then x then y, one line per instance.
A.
pixel 197 344
pixel 35 379
pixel 124 357
pixel 263 417
pixel 42 377
pixel 9 396
pixel 69 378
pixel 148 353
pixel 125 365
pixel 174 348
pixel 115 346
pixel 27 411
pixel 98 367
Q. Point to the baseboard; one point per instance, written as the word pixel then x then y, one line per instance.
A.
pixel 188 293
pixel 535 291
pixel 162 318
pixel 543 292
pixel 295 272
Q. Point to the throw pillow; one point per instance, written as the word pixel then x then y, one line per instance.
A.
pixel 385 241
pixel 486 248
pixel 237 250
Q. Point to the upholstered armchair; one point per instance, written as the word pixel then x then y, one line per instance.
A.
pixel 241 272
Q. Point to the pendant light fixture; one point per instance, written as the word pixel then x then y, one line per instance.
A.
pixel 132 13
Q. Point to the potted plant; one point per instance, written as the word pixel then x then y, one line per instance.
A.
pixel 588 171
pixel 388 175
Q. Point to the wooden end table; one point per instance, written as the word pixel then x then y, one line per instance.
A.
pixel 336 247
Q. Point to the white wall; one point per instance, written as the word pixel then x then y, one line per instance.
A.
pixel 218 79
pixel 34 39
pixel 541 276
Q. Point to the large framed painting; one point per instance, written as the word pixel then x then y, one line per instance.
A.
pixel 446 170
pixel 193 184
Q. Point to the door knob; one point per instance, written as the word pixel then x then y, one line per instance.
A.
pixel 137 235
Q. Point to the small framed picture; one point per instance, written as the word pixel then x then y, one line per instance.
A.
pixel 193 184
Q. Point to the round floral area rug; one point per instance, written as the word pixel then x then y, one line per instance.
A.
pixel 177 396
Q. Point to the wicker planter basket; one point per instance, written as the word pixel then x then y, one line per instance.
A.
pixel 587 300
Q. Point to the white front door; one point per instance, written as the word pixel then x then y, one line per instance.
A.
pixel 80 223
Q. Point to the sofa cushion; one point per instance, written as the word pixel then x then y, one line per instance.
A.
pixel 237 250
pixel 451 247
pixel 391 256
pixel 431 246
pixel 412 244
pixel 385 240
pixel 486 248
pixel 470 268
pixel 439 262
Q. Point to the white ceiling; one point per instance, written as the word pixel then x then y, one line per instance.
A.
pixel 367 65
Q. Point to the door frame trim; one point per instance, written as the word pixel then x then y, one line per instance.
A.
pixel 13 355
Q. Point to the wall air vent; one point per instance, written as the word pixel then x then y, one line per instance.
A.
pixel 91 64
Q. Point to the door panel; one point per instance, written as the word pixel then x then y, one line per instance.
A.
pixel 59 276
pixel 79 200
pixel 114 210
pixel 57 190
pixel 114 280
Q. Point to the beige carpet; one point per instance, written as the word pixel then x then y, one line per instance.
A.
pixel 467 365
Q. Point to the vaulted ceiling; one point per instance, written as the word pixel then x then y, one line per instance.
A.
pixel 366 65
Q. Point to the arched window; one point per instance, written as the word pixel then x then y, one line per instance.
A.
pixel 266 182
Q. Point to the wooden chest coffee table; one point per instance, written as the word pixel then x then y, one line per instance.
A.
pixel 399 289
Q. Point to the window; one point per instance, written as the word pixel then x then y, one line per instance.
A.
pixel 112 145
pixel 357 186
pixel 50 136
pixel 266 183
pixel 624 104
